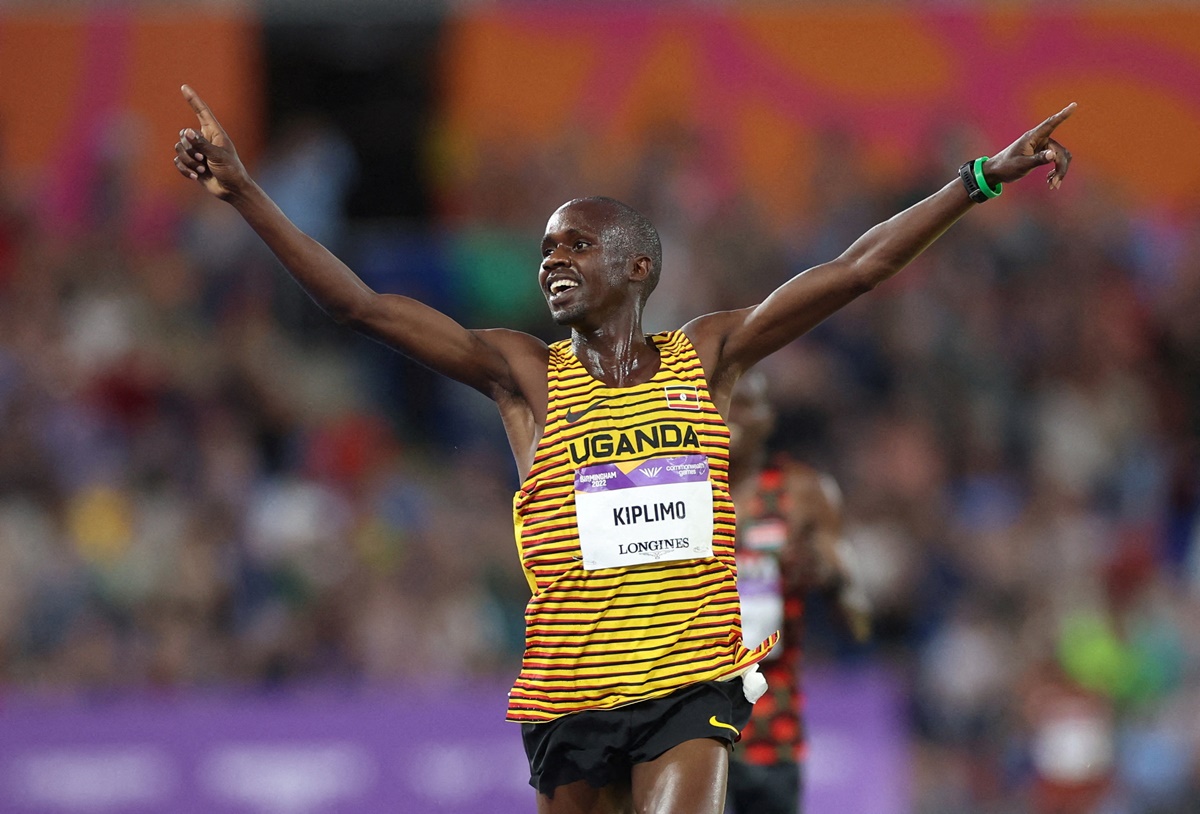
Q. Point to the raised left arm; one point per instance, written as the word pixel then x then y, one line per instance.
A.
pixel 730 342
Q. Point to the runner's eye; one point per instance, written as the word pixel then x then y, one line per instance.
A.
pixel 580 245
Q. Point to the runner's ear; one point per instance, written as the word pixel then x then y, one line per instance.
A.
pixel 641 268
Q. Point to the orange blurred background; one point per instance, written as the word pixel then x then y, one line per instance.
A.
pixel 887 78
pixel 768 88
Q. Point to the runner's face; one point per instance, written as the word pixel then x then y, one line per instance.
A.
pixel 577 274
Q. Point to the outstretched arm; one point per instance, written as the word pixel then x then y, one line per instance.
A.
pixel 485 360
pixel 732 341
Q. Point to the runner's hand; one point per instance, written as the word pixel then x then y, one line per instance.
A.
pixel 208 156
pixel 1032 150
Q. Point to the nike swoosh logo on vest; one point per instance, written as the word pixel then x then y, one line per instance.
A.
pixel 574 415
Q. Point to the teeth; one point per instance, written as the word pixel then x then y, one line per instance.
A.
pixel 558 286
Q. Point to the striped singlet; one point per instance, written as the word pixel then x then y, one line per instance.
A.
pixel 603 638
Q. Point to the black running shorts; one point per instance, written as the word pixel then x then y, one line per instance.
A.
pixel 601 746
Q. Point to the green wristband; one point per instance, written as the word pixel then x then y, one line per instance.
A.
pixel 983 184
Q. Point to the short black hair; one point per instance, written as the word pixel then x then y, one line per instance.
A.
pixel 632 234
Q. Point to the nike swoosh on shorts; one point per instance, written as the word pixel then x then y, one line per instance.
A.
pixel 713 720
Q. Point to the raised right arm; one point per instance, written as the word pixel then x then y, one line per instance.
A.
pixel 489 361
pixel 730 342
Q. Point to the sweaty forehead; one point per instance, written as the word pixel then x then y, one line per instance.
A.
pixel 585 216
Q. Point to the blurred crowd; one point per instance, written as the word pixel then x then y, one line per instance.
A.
pixel 203 482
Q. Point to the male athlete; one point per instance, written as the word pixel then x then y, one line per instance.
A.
pixel 628 692
pixel 788 546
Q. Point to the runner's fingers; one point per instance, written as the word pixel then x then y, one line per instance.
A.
pixel 1043 130
pixel 190 158
pixel 193 147
pixel 194 143
pixel 184 170
pixel 202 110
pixel 1062 160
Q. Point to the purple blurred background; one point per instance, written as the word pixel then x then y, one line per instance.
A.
pixel 407 749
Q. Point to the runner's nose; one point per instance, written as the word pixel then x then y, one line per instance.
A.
pixel 557 257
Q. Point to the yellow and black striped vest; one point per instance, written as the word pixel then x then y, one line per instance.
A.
pixel 608 637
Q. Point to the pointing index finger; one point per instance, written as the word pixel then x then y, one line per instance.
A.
pixel 202 111
pixel 1047 127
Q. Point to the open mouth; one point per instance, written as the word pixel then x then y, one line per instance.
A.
pixel 561 286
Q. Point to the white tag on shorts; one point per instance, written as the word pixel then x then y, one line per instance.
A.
pixel 660 510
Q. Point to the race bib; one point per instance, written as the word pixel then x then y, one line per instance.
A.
pixel 760 590
pixel 658 510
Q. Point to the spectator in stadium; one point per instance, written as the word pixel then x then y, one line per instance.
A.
pixel 626 692
pixel 789 544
